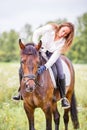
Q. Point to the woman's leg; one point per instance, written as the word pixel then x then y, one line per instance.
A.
pixel 61 83
pixel 60 80
pixel 19 97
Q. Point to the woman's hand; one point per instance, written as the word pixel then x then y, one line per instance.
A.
pixel 41 69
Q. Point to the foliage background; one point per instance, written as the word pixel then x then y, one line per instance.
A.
pixel 9 41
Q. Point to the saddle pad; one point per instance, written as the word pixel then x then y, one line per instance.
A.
pixel 66 72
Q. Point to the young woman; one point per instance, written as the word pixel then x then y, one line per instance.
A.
pixel 56 40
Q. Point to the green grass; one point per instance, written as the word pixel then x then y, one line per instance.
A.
pixel 12 114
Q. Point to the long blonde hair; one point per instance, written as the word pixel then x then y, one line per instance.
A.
pixel 69 37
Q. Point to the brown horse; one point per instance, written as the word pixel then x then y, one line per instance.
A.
pixel 38 90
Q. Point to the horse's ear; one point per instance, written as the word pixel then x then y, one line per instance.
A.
pixel 22 46
pixel 39 45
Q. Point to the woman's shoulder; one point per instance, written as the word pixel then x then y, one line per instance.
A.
pixel 54 25
pixel 48 26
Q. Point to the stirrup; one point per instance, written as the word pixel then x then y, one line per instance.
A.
pixel 65 103
pixel 65 99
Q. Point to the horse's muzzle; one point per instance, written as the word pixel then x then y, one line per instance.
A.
pixel 30 88
pixel 29 82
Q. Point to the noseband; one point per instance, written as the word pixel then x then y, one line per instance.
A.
pixel 31 77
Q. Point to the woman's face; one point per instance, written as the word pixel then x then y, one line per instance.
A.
pixel 64 31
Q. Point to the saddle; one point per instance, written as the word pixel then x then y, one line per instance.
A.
pixel 53 70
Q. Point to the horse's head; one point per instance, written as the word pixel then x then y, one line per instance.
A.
pixel 29 64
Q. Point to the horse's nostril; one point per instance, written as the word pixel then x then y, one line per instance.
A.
pixel 31 88
pixel 27 86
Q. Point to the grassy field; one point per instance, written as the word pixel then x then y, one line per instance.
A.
pixel 12 114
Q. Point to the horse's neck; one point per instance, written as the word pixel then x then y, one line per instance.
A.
pixel 42 59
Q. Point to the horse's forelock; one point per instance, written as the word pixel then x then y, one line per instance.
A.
pixel 29 49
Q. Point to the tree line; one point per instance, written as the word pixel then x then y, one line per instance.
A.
pixel 9 48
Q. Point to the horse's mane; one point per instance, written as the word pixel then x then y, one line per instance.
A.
pixel 29 49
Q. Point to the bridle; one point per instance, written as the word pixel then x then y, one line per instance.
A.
pixel 30 77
